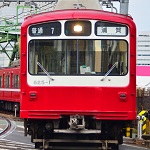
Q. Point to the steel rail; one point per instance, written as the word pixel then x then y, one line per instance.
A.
pixel 10 127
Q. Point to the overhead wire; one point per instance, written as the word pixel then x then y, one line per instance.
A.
pixel 42 9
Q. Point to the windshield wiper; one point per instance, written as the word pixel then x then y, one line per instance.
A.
pixel 109 71
pixel 45 71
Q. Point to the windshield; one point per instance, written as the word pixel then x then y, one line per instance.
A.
pixel 78 57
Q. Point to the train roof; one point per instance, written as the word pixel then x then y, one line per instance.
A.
pixel 9 68
pixel 77 14
pixel 78 4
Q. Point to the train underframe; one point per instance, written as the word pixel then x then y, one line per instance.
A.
pixel 75 131
pixel 9 106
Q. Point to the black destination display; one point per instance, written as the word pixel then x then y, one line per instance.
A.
pixel 45 29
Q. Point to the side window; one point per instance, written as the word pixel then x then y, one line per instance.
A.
pixel 0 81
pixel 7 81
pixel 16 82
pixel 13 81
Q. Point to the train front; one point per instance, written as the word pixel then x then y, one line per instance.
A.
pixel 78 77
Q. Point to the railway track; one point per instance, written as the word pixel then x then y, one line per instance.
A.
pixel 14 145
pixel 9 128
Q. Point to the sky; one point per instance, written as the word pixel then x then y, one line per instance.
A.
pixel 138 9
pixel 140 12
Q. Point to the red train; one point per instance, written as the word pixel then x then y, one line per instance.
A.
pixel 10 88
pixel 78 76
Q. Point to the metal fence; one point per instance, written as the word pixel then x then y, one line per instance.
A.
pixel 143 99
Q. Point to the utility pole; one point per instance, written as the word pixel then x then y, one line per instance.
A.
pixel 124 4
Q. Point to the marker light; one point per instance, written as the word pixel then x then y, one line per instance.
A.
pixel 77 28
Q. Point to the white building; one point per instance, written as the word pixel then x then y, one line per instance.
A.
pixel 143 59
pixel 143 49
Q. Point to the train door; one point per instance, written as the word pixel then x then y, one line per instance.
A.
pixel 16 86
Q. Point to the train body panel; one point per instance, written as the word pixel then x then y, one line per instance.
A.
pixel 69 94
pixel 76 82
pixel 10 88
pixel 101 103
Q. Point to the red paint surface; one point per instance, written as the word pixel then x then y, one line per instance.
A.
pixel 99 102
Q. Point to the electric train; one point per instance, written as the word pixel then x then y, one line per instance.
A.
pixel 77 76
